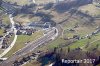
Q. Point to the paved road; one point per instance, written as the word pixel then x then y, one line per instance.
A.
pixel 13 29
pixel 30 47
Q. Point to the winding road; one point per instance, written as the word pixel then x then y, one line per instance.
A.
pixel 15 37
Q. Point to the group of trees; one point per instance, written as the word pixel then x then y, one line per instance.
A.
pixel 48 6
pixel 58 54
pixel 45 17
pixel 25 9
pixel 28 9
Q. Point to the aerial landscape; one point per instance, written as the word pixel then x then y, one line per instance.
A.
pixel 49 32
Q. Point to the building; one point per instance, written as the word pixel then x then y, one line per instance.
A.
pixel 26 31
pixel 41 25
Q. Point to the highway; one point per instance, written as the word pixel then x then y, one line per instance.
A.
pixel 29 48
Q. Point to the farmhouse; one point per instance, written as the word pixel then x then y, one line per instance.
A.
pixel 26 31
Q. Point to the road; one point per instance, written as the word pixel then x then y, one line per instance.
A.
pixel 29 47
pixel 13 29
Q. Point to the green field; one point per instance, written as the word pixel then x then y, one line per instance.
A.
pixel 1 32
pixel 52 44
pixel 78 44
pixel 1 51
pixel 21 40
pixel 1 8
pixel 9 42
pixel 92 43
pixel 5 19
pixel 11 39
pixel 83 29
pixel 24 18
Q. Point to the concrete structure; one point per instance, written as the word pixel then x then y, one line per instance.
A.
pixel 36 24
